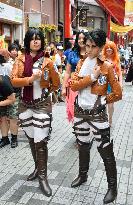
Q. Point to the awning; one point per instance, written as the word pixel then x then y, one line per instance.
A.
pixel 116 8
pixel 120 10
pixel 120 29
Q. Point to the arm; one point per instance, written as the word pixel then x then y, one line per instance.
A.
pixel 116 93
pixel 10 100
pixel 17 78
pixel 120 76
pixel 67 76
pixel 79 83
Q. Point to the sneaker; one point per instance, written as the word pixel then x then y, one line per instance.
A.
pixel 14 143
pixel 4 142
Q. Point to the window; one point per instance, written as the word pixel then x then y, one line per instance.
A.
pixel 90 22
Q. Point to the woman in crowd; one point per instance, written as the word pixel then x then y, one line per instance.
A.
pixel 7 95
pixel 5 70
pixel 111 54
pixel 12 122
pixel 91 81
pixel 78 52
pixel 37 77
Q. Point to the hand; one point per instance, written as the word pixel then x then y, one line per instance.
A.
pixel 64 92
pixel 35 76
pixel 96 71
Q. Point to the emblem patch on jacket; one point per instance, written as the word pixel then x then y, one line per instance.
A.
pixel 102 80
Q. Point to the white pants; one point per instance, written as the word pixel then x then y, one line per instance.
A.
pixel 35 124
pixel 84 134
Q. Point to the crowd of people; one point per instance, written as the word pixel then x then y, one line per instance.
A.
pixel 88 74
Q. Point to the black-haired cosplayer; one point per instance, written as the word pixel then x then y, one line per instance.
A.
pixel 37 77
pixel 91 81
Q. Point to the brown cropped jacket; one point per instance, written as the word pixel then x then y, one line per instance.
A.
pixel 19 80
pixel 107 73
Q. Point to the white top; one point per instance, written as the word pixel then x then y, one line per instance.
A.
pixel 57 59
pixel 6 68
pixel 86 99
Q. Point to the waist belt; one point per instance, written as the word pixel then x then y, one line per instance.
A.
pixel 43 104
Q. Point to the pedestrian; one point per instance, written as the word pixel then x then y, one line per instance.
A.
pixel 38 79
pixel 78 52
pixel 91 81
pixel 111 54
pixel 5 70
pixel 68 49
pixel 10 122
pixel 7 97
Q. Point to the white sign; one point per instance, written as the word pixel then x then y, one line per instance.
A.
pixel 34 19
pixel 128 21
pixel 10 13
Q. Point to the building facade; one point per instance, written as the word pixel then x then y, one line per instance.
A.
pixel 40 12
pixel 91 16
pixel 11 19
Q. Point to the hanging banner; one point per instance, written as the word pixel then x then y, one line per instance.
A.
pixel 34 19
pixel 120 29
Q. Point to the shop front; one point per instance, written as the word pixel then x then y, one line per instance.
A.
pixel 10 23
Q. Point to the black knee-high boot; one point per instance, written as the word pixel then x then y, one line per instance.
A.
pixel 84 159
pixel 107 155
pixel 42 157
pixel 33 175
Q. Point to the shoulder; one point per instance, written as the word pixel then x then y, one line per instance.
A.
pixel 108 64
pixel 47 62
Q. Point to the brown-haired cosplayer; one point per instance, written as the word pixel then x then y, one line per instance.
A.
pixel 37 77
pixel 111 54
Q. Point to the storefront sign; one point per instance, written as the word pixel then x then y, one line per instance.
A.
pixel 128 20
pixel 34 19
pixel 10 13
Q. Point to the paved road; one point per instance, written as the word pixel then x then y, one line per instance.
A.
pixel 16 164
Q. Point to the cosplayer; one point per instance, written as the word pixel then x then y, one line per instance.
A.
pixel 36 75
pixel 111 54
pixel 91 81
pixel 78 52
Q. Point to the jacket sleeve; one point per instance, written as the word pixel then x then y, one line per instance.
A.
pixel 17 78
pixel 54 77
pixel 116 93
pixel 81 83
pixel 78 83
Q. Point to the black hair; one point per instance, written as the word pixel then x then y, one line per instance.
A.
pixel 68 45
pixel 12 47
pixel 2 59
pixel 76 45
pixel 28 37
pixel 98 36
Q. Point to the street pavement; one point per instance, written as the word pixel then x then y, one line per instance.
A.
pixel 16 164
